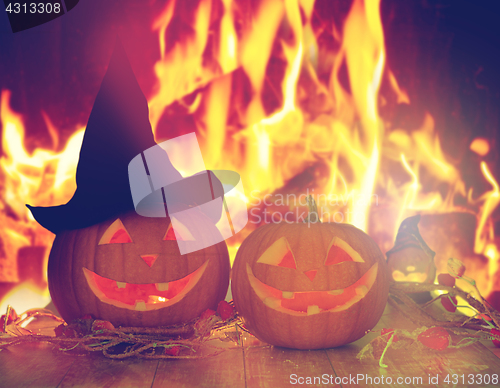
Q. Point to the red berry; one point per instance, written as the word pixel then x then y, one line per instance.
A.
pixel 445 279
pixel 59 330
pixel 102 325
pixel 435 338
pixel 173 351
pixel 447 304
pixel 225 310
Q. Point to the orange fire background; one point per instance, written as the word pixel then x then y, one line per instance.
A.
pixel 381 109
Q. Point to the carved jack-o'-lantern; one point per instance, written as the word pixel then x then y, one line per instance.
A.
pixel 129 271
pixel 309 286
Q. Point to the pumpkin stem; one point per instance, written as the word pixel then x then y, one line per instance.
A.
pixel 313 216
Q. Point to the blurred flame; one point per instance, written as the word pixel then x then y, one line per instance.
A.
pixel 42 177
pixel 341 128
pixel 490 200
pixel 480 146
pixel 24 297
pixel 325 113
pixel 401 94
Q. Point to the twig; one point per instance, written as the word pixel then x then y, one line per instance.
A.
pixel 410 288
pixel 168 331
pixel 493 317
pixel 416 313
pixel 143 342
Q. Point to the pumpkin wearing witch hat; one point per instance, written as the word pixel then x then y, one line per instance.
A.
pixel 411 259
pixel 107 260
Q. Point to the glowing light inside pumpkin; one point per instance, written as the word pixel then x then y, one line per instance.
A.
pixel 180 233
pixel 288 261
pixel 340 251
pixel 415 277
pixel 115 234
pixel 304 303
pixel 170 235
pixel 279 252
pixel 149 259
pixel 337 255
pixel 311 274
pixel 120 237
pixel 142 297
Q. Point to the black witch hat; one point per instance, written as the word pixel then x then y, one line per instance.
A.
pixel 118 129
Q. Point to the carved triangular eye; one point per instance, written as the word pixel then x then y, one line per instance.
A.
pixel 279 254
pixel 288 261
pixel 339 251
pixel 115 234
pixel 181 233
pixel 170 235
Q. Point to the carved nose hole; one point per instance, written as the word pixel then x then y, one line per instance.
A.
pixel 149 259
pixel 311 274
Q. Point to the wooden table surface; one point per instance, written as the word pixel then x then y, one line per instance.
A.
pixel 253 364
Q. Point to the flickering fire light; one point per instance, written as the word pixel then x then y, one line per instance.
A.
pixel 288 104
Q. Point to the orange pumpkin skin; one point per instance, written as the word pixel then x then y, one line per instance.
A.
pixel 365 285
pixel 76 250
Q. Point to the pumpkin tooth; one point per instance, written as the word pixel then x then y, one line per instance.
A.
pixel 162 286
pixel 121 284
pixel 311 310
pixel 272 302
pixel 361 290
pixel 140 305
pixel 336 292
pixel 287 295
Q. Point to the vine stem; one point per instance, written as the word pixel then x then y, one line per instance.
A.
pixel 493 317
pixel 7 315
pixel 312 216
pixel 380 363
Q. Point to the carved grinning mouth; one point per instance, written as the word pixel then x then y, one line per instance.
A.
pixel 142 297
pixel 313 302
